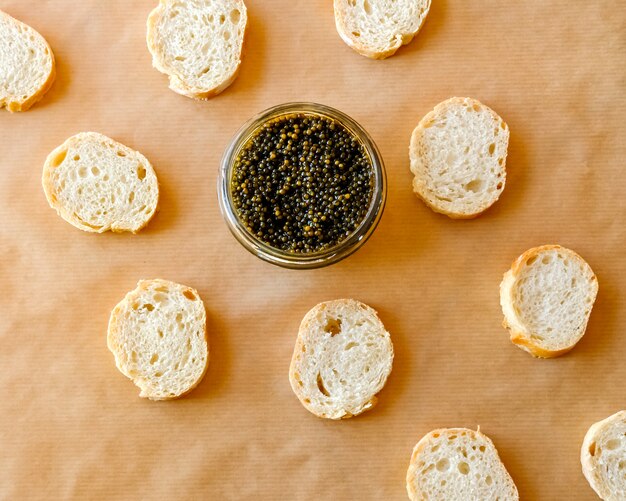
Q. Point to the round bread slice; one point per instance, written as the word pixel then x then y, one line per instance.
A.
pixel 458 156
pixel 546 298
pixel 198 44
pixel 98 184
pixel 157 334
pixel 378 28
pixel 27 68
pixel 342 358
pixel 458 464
pixel 603 457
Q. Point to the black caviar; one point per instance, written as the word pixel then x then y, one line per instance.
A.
pixel 302 183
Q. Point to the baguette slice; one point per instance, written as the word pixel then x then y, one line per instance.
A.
pixel 603 457
pixel 458 464
pixel 198 44
pixel 341 360
pixel 98 184
pixel 27 68
pixel 546 298
pixel 157 335
pixel 458 156
pixel 378 28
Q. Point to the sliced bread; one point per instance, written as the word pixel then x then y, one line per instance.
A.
pixel 458 156
pixel 603 457
pixel 378 28
pixel 546 298
pixel 458 464
pixel 342 358
pixel 157 335
pixel 197 43
pixel 98 184
pixel 27 67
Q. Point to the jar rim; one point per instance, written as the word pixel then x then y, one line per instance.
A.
pixel 286 259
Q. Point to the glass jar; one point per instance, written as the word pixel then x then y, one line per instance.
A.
pixel 301 260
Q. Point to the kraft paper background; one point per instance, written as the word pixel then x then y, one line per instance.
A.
pixel 72 427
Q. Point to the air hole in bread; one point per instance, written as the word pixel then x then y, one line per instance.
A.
pixel 367 7
pixel 141 172
pixel 443 464
pixel 492 148
pixel 476 108
pixel 349 346
pixel 356 34
pixel 226 35
pixel 222 19
pixel 592 448
pixel 189 294
pixel 474 186
pixel 148 306
pixel 76 158
pixel 160 334
pixel 58 160
pixel 622 465
pixel 95 171
pixel 320 385
pixel 131 197
pixel 121 154
pixel 235 16
pixel 546 260
pixel 464 468
pixel 307 401
pixel 133 356
pixel 613 444
pixel 154 359
pixel 443 199
pixel 333 326
pixel 531 260
pixel 499 186
pixel 208 68
pixel 451 438
pixel 158 374
pixel 82 172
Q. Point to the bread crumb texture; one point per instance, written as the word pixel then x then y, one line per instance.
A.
pixel 27 68
pixel 342 358
pixel 546 298
pixel 458 464
pixel 97 184
pixel 157 335
pixel 197 43
pixel 378 28
pixel 603 457
pixel 458 157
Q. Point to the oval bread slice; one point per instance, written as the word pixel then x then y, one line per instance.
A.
pixel 546 298
pixel 27 68
pixel 342 358
pixel 98 184
pixel 378 28
pixel 197 43
pixel 458 155
pixel 458 464
pixel 157 334
pixel 603 457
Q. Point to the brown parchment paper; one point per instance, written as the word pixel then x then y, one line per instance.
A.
pixel 72 427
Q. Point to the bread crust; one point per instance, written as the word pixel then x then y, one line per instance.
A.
pixel 518 335
pixel 588 461
pixel 26 104
pixel 176 82
pixel 306 325
pixel 441 108
pixel 400 39
pixel 52 199
pixel 113 329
